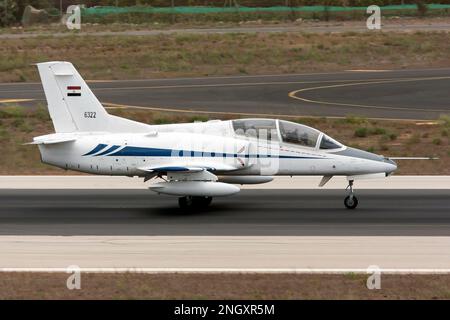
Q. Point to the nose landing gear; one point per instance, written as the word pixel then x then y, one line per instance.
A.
pixel 350 201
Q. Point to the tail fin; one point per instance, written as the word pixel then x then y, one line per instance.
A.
pixel 73 106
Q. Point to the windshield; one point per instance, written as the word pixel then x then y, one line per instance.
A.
pixel 256 128
pixel 298 134
pixel 328 143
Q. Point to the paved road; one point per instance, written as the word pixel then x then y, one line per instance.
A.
pixel 405 94
pixel 251 213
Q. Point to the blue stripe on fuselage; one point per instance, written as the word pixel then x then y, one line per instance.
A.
pixel 156 152
pixel 96 149
pixel 165 169
pixel 113 148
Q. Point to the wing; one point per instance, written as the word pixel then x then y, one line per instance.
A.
pixel 191 180
pixel 187 168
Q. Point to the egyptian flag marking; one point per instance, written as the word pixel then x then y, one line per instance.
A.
pixel 73 91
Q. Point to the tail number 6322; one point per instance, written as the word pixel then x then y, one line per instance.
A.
pixel 89 114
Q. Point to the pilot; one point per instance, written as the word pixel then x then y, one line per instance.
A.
pixel 304 139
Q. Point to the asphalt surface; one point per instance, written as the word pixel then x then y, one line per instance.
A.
pixel 250 213
pixel 399 94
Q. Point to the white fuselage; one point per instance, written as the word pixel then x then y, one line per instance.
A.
pixel 213 144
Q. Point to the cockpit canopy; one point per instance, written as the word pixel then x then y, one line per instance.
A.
pixel 256 128
pixel 286 131
pixel 298 134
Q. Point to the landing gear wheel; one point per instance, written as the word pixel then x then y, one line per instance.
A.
pixel 189 202
pixel 201 202
pixel 185 202
pixel 351 202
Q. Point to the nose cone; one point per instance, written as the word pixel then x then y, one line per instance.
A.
pixel 391 166
pixel 357 153
pixel 384 164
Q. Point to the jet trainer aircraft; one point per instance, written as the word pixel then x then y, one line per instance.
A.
pixel 195 161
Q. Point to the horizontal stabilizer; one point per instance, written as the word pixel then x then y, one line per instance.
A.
pixel 53 139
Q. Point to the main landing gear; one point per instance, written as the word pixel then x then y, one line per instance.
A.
pixel 350 201
pixel 189 202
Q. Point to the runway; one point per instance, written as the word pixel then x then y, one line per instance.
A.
pixel 397 94
pixel 250 213
pixel 257 229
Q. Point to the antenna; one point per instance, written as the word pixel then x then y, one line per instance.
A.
pixel 412 158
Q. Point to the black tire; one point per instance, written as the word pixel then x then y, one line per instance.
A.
pixel 208 201
pixel 351 203
pixel 185 202
pixel 201 202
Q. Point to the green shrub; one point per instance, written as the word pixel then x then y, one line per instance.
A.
pixel 361 132
pixel 444 120
pixel 351 275
pixel 242 70
pixel 161 120
pixel 198 119
pixel 22 77
pixel 350 119
pixel 41 113
pixel 377 131
pixel 437 141
pixel 18 122
pixel 392 136
pixel 11 112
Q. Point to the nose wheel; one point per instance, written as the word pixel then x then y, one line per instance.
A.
pixel 350 201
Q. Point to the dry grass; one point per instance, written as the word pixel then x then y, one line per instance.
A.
pixel 222 286
pixel 126 57
pixel 19 125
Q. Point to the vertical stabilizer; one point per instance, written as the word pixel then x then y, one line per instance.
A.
pixel 72 105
